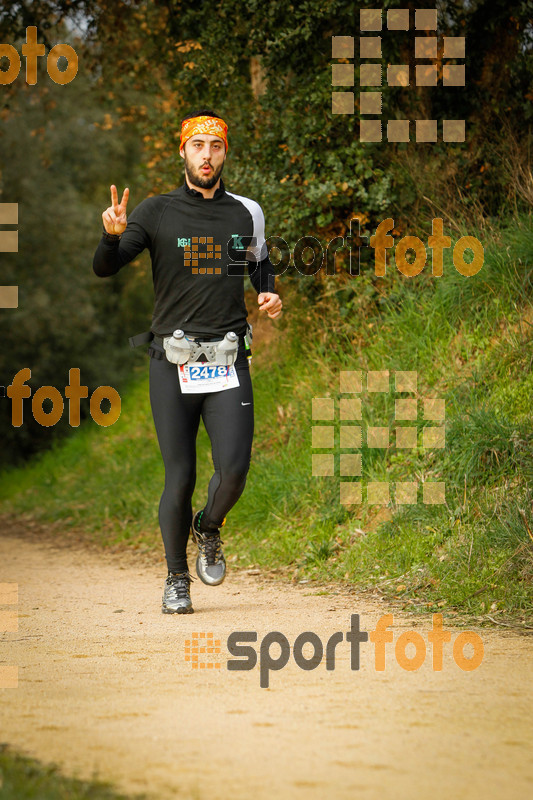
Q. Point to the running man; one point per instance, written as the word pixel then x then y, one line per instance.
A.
pixel 200 237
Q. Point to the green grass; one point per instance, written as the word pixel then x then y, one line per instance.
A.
pixel 23 778
pixel 470 341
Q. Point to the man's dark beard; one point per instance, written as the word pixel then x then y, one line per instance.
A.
pixel 203 183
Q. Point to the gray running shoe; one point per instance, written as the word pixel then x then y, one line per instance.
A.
pixel 176 594
pixel 210 562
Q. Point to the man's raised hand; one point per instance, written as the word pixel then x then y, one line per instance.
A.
pixel 114 217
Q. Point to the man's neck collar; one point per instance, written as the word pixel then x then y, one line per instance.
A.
pixel 221 190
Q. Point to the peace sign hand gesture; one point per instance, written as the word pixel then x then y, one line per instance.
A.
pixel 114 217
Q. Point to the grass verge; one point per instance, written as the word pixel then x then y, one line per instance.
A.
pixel 23 778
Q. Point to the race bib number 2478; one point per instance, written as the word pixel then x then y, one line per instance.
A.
pixel 200 377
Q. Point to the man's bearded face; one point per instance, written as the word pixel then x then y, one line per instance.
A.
pixel 204 161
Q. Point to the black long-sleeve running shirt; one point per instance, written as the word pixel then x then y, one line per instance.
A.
pixel 200 249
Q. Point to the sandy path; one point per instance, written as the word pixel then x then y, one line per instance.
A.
pixel 104 687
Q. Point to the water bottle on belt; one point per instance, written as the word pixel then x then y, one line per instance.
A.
pixel 177 347
pixel 226 350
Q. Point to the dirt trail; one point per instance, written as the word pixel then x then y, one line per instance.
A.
pixel 104 688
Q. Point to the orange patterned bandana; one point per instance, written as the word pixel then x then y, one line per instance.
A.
pixel 212 125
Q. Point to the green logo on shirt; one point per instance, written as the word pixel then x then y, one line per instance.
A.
pixel 237 242
pixel 184 242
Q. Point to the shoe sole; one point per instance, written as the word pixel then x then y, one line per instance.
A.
pixel 165 610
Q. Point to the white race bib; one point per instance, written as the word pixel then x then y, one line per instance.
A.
pixel 200 377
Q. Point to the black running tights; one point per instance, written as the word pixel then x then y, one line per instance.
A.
pixel 228 417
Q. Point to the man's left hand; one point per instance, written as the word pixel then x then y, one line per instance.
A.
pixel 271 303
